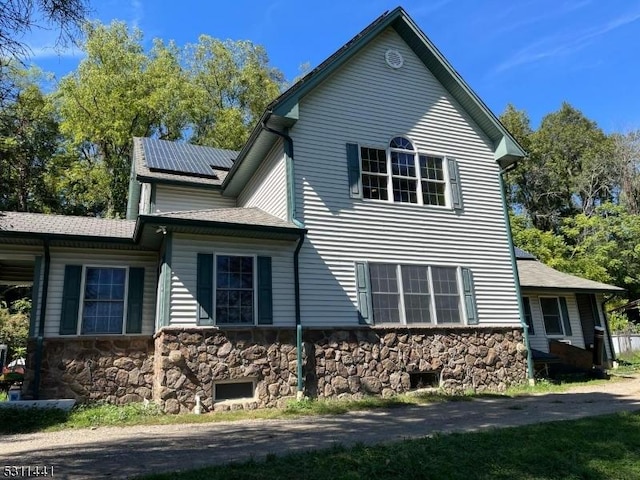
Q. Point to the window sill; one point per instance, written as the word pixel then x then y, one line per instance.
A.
pixel 444 208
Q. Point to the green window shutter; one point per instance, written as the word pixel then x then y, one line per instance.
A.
pixel 594 309
pixel 454 181
pixel 565 317
pixel 265 291
pixel 70 300
pixel 204 288
pixel 35 296
pixel 353 163
pixel 363 284
pixel 469 297
pixel 134 300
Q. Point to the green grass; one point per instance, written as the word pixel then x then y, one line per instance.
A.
pixel 597 448
pixel 628 363
pixel 104 415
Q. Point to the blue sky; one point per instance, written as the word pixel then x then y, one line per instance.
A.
pixel 532 53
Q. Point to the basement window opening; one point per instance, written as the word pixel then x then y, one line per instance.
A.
pixel 430 379
pixel 233 390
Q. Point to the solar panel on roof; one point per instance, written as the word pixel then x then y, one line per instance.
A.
pixel 186 158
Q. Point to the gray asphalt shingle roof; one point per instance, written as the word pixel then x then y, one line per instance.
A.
pixel 41 223
pixel 238 215
pixel 535 274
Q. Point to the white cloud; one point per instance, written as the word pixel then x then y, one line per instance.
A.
pixel 564 44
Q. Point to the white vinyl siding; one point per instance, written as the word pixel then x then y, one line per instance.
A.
pixel 368 103
pixel 144 207
pixel 115 258
pixel 185 249
pixel 170 198
pixel 540 341
pixel 267 189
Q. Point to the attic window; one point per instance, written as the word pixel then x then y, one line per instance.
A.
pixel 394 58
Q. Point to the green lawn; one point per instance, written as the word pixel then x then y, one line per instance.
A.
pixel 629 362
pixel 597 448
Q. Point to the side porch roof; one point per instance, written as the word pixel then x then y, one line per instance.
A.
pixel 535 274
pixel 34 228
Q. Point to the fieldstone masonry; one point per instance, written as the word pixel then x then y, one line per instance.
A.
pixel 180 363
pixel 111 369
pixel 189 361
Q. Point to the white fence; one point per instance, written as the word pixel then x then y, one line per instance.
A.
pixel 626 343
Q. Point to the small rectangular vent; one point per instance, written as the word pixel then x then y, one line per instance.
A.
pixel 233 390
pixel 424 380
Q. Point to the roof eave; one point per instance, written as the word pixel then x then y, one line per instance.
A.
pixel 609 288
pixel 176 182
pixel 237 227
pixel 67 237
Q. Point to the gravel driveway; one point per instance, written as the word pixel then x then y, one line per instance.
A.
pixel 113 452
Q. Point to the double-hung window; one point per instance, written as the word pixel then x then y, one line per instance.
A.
pixel 234 290
pixel 415 294
pixel 103 300
pixel 555 316
pixel 403 175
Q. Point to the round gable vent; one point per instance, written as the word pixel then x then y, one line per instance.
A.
pixel 394 58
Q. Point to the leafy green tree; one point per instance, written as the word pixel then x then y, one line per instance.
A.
pixel 29 139
pixel 577 156
pixel 119 92
pixel 604 246
pixel 548 247
pixel 231 83
pixel 14 326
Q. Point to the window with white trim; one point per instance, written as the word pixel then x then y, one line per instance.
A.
pixel 410 177
pixel 412 294
pixel 235 290
pixel 552 316
pixel 103 304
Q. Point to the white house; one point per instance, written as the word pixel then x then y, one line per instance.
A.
pixel 356 244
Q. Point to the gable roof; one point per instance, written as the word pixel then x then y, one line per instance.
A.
pixel 283 111
pixel 535 274
pixel 171 162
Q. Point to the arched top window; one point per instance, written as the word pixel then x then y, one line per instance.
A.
pixel 401 143
pixel 402 174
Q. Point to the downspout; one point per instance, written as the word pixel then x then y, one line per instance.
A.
pixel 605 320
pixel 43 307
pixel 516 276
pixel 296 286
pixel 292 213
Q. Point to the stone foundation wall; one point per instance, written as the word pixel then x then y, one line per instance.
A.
pixel 180 363
pixel 381 361
pixel 116 370
pixel 189 361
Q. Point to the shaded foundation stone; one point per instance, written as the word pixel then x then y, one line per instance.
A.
pixel 111 369
pixel 178 364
